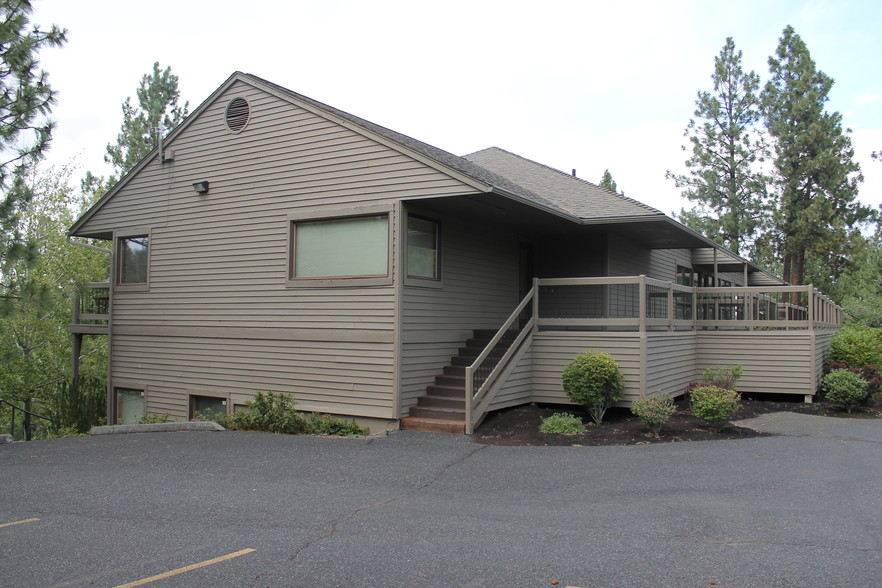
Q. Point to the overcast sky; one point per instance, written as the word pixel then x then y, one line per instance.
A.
pixel 579 85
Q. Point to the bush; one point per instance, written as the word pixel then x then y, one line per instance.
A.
pixel 562 422
pixel 844 387
pixel 654 411
pixel 275 412
pixel 163 418
pixel 79 405
pixel 856 346
pixel 594 380
pixel 715 405
pixel 722 377
pixel 325 424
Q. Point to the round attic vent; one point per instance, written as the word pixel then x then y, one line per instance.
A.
pixel 238 113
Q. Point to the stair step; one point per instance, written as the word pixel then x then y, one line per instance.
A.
pixel 445 391
pixel 433 425
pixel 442 402
pixel 452 381
pixel 431 412
pixel 454 370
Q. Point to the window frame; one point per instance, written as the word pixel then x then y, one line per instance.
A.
pixel 437 278
pixel 117 405
pixel 119 239
pixel 334 215
pixel 192 400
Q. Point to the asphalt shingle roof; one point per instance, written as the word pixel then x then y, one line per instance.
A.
pixel 578 197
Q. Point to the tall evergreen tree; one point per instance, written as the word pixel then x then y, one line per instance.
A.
pixel 157 108
pixel 816 214
pixel 726 144
pixel 608 182
pixel 25 100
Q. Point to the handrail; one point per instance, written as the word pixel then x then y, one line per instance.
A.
pixel 27 424
pixel 472 396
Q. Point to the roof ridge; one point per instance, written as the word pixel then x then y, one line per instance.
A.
pixel 572 177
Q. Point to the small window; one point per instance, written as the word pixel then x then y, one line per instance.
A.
pixel 341 248
pixel 133 260
pixel 422 248
pixel 684 276
pixel 206 406
pixel 129 406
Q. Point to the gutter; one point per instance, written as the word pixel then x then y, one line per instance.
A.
pixel 87 246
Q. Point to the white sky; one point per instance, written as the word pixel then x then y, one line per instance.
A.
pixel 585 84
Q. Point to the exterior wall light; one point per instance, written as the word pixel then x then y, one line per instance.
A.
pixel 200 187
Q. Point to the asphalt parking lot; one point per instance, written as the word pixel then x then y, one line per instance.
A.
pixel 422 509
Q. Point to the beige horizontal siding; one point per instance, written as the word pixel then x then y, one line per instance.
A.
pixel 518 388
pixel 670 362
pixel 553 351
pixel 772 361
pixel 220 314
pixel 479 291
pixel 351 379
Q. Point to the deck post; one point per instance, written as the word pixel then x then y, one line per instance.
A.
pixel 535 305
pixel 670 306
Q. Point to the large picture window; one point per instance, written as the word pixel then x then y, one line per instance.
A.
pixel 422 248
pixel 133 260
pixel 341 248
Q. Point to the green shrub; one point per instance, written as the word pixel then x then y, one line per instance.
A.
pixel 594 380
pixel 562 422
pixel 715 405
pixel 844 387
pixel 856 346
pixel 722 377
pixel 325 424
pixel 654 411
pixel 273 411
pixel 159 418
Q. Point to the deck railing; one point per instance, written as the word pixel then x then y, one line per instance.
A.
pixel 641 303
pixel 91 310
pixel 482 377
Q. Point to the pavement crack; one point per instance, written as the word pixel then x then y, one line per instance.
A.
pixel 335 526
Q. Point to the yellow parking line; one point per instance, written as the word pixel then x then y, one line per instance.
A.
pixel 18 522
pixel 186 569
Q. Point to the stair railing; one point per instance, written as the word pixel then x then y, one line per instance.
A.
pixel 26 414
pixel 483 374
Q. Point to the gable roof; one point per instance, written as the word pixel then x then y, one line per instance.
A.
pixel 492 170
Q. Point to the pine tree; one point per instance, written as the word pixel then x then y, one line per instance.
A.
pixel 726 143
pixel 608 182
pixel 25 99
pixel 816 214
pixel 157 111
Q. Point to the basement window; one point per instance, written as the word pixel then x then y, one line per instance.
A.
pixel 207 406
pixel 130 407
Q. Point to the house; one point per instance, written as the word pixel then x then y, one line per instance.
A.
pixel 276 243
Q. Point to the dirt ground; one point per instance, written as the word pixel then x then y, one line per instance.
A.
pixel 520 425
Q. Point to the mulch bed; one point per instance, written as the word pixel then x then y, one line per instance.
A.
pixel 519 425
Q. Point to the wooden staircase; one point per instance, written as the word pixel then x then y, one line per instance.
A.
pixel 442 407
